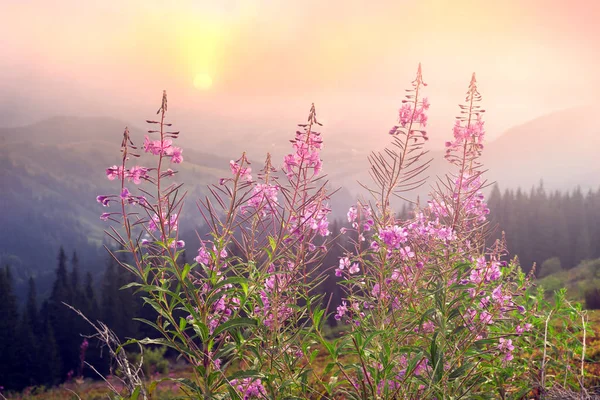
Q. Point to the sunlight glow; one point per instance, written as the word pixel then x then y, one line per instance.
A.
pixel 203 81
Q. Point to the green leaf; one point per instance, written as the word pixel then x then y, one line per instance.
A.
pixel 152 387
pixel 233 323
pixel 455 312
pixel 314 355
pixel 328 368
pixel 234 279
pixel 130 285
pixel 145 321
pixel 317 317
pixel 272 243
pixel 185 272
pixel 201 329
pixel 135 394
pixel 248 373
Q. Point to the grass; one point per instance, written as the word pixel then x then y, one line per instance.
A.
pixel 89 389
pixel 576 280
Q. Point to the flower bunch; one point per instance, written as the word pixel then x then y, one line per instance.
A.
pixel 427 294
pixel 430 309
pixel 307 145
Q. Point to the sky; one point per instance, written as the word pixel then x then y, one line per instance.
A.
pixel 236 66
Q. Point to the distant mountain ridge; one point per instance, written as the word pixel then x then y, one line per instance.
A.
pixel 52 170
pixel 51 173
pixel 560 149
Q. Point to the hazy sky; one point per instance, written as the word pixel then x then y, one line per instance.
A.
pixel 261 63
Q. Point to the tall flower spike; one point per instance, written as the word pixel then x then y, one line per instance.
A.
pixel 306 146
pixel 126 144
pixel 467 145
pixel 419 79
pixel 398 169
pixel 312 116
pixel 266 173
pixel 163 105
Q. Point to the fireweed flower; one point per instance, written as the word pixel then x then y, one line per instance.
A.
pixel 203 256
pixel 525 328
pixel 473 134
pixel 125 194
pixel 393 236
pixel 307 145
pixel 176 154
pixel 344 262
pixel 249 388
pixel 367 218
pixel 104 200
pixel 505 346
pixel 279 281
pixel 264 198
pixel 361 215
pixel 245 173
pixel 177 244
pixel 136 174
pixel 171 224
pixel 114 172
pixel 352 214
pixel 486 317
pixel 428 327
pixel 314 218
pixel 341 311
pixel 410 115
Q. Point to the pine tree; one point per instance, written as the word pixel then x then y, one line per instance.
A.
pixel 29 332
pixel 91 308
pixel 9 343
pixel 109 309
pixel 31 308
pixel 128 305
pixel 27 347
pixel 74 278
pixel 50 362
pixel 62 319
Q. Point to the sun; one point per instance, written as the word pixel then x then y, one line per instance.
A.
pixel 203 81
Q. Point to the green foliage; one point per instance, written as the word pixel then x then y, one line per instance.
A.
pixel 154 361
pixel 549 267
pixel 578 281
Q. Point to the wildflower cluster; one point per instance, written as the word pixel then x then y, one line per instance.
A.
pixel 468 130
pixel 307 145
pixel 430 309
pixel 427 283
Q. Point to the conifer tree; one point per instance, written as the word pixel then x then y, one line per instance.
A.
pixel 109 310
pixel 74 278
pixel 31 308
pixel 27 347
pixel 50 362
pixel 91 308
pixel 9 320
pixel 61 317
pixel 29 333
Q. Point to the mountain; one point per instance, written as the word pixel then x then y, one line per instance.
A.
pixel 50 175
pixel 52 171
pixel 560 149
